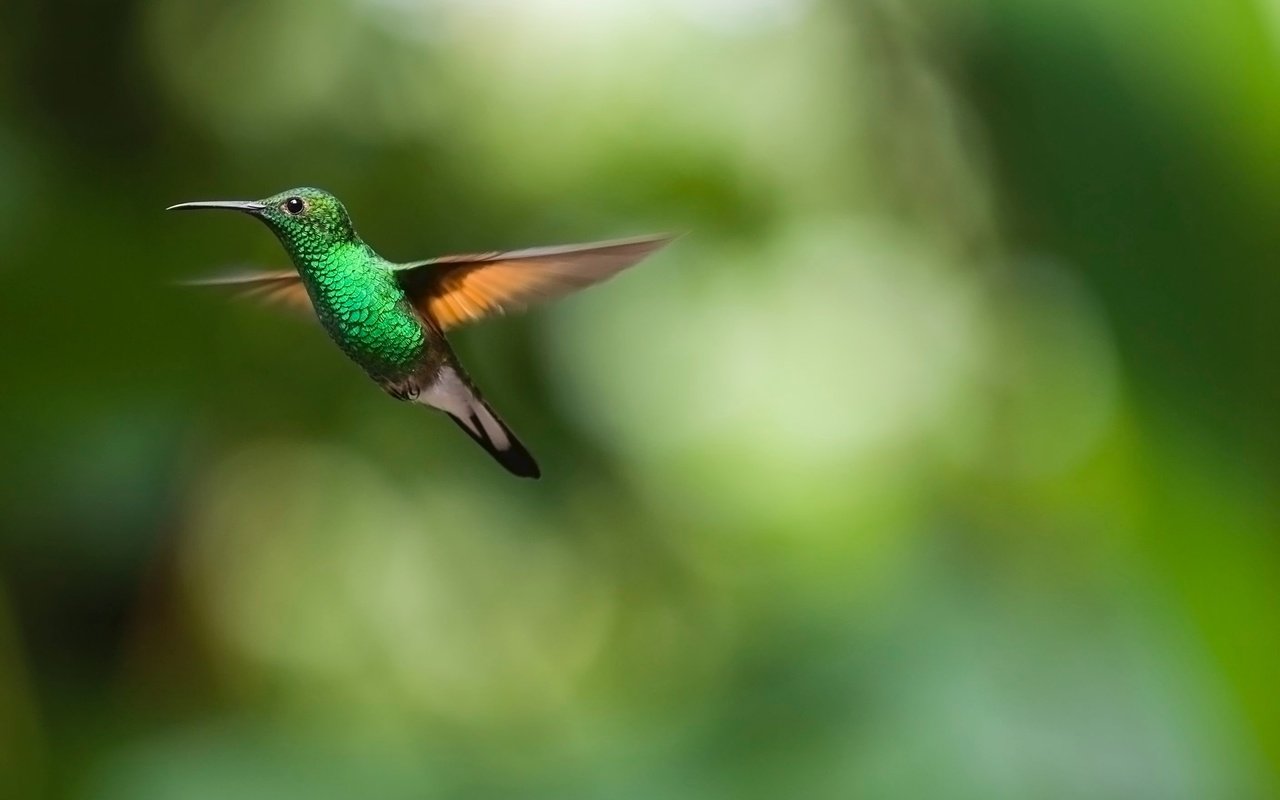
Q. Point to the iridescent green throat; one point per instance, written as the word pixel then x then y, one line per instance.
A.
pixel 359 303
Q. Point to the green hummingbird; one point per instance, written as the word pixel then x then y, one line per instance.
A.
pixel 391 318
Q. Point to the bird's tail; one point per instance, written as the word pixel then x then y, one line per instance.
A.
pixel 452 393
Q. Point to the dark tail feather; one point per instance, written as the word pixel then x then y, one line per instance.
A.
pixel 514 456
pixel 452 392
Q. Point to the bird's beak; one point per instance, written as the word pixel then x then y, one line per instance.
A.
pixel 234 205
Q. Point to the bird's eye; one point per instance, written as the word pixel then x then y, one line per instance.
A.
pixel 294 206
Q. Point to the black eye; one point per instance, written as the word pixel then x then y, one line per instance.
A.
pixel 294 206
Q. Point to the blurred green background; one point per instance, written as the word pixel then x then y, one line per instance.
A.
pixel 938 461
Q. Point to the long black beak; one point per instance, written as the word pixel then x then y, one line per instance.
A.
pixel 234 205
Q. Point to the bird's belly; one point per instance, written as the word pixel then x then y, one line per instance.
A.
pixel 382 336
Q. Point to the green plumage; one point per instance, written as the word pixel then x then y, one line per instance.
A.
pixel 354 290
pixel 390 318
pixel 364 310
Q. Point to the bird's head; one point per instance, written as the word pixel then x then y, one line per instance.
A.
pixel 307 221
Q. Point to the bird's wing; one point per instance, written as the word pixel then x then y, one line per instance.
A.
pixel 454 290
pixel 283 287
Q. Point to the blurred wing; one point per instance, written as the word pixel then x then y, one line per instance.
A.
pixel 454 290
pixel 282 288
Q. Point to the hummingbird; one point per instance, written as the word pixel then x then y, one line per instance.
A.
pixel 391 318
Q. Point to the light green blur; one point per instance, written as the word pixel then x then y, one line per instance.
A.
pixel 937 460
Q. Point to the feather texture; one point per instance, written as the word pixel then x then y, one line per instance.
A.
pixel 283 287
pixel 454 290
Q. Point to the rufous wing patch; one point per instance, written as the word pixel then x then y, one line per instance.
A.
pixel 455 290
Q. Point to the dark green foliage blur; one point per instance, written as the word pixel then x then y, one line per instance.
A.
pixel 938 460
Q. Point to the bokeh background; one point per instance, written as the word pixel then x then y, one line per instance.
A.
pixel 938 460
